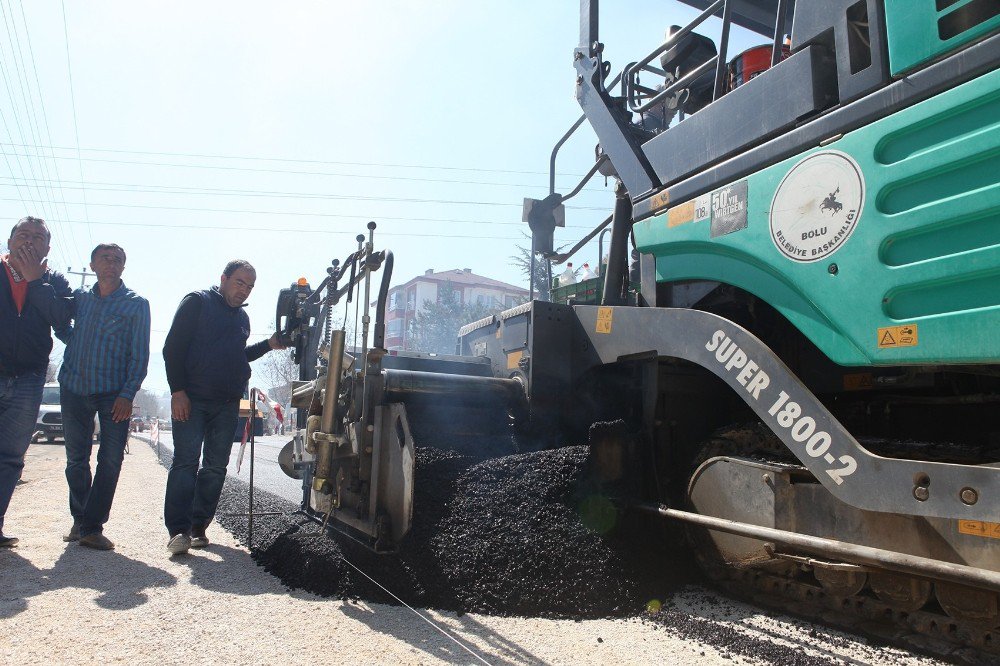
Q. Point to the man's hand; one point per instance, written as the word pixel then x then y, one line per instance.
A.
pixel 27 263
pixel 180 406
pixel 275 342
pixel 121 410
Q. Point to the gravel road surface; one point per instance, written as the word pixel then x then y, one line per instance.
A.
pixel 61 603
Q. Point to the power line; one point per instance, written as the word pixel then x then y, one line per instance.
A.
pixel 139 188
pixel 39 198
pixel 310 161
pixel 29 100
pixel 290 230
pixel 314 173
pixel 291 213
pixel 45 115
pixel 76 129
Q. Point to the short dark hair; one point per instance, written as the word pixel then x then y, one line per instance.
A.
pixel 109 246
pixel 235 265
pixel 32 220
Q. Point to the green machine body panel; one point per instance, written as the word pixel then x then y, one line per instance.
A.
pixel 922 30
pixel 882 247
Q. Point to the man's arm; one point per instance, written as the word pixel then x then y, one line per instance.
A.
pixel 62 289
pixel 138 360
pixel 56 305
pixel 258 349
pixel 175 351
pixel 179 339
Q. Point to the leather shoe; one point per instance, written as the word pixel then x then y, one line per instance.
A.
pixel 8 541
pixel 74 534
pixel 97 541
pixel 198 538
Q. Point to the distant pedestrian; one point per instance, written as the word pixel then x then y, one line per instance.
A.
pixel 103 367
pixel 208 367
pixel 25 345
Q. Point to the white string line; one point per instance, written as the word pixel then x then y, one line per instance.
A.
pixel 418 613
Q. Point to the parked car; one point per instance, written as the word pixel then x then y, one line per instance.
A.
pixel 49 424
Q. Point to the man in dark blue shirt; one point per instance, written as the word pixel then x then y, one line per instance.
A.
pixel 208 367
pixel 103 366
pixel 25 344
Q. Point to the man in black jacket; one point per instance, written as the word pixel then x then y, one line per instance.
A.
pixel 208 367
pixel 25 344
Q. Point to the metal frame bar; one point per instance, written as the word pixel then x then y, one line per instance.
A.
pixel 779 32
pixel 721 64
pixel 599 229
pixel 866 555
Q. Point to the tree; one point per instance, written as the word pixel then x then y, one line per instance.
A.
pixel 435 328
pixel 522 260
pixel 277 370
pixel 149 404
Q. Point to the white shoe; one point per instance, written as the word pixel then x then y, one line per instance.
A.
pixel 179 543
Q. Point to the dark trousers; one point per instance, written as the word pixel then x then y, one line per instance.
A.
pixel 192 493
pixel 90 497
pixel 19 400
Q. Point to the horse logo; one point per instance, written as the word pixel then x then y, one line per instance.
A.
pixel 831 204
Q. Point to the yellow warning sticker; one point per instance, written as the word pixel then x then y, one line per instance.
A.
pixel 679 215
pixel 513 358
pixel 979 528
pixel 659 201
pixel 604 316
pixel 897 336
pixel 859 381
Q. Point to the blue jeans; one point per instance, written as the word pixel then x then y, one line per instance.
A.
pixel 19 401
pixel 192 494
pixel 90 498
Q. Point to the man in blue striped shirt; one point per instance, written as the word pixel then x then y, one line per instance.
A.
pixel 103 366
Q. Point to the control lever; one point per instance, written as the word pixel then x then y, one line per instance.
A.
pixel 289 317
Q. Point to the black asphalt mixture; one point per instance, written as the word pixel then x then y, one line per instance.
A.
pixel 503 536
pixel 514 535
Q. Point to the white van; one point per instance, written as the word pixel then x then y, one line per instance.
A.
pixel 49 424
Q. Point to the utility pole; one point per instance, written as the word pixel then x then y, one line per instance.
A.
pixel 84 274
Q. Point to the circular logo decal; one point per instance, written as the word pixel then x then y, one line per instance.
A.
pixel 817 205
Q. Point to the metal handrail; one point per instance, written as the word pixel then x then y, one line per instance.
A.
pixel 565 137
pixel 555 150
pixel 632 70
pixel 599 229
pixel 679 84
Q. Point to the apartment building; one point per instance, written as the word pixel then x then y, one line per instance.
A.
pixel 407 300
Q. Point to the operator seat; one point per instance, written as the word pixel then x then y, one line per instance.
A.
pixel 688 53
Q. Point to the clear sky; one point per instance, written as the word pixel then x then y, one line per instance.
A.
pixel 274 131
